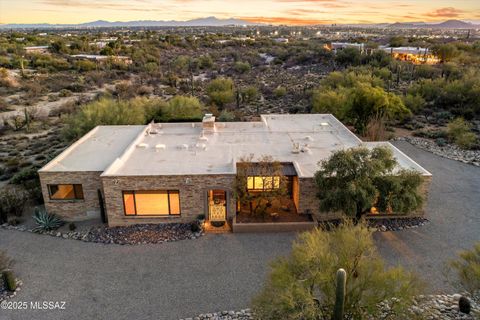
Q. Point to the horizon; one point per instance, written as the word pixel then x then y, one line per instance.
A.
pixel 288 12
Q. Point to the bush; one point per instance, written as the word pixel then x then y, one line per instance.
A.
pixel 226 116
pixel 242 67
pixel 108 111
pixel 12 201
pixel 182 108
pixel 302 285
pixel 195 227
pixel 460 133
pixel 9 279
pixel 280 92
pixel 24 175
pixel 46 221
pixel 221 91
pixel 72 226
pixel 467 268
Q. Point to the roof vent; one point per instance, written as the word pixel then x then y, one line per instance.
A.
pixel 324 124
pixel 142 145
pixel 308 138
pixel 201 146
pixel 203 138
pixel 296 148
pixel 183 146
pixel 160 146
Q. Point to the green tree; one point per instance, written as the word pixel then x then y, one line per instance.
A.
pixel 221 91
pixel 330 101
pixel 355 180
pixel 302 285
pixel 369 103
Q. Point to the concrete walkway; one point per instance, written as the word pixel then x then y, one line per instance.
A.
pixel 221 272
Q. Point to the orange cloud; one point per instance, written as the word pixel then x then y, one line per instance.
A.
pixel 448 12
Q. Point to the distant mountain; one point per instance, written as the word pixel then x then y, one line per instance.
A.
pixel 201 22
pixel 449 24
pixel 455 24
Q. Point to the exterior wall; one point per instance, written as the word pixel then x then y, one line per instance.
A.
pixel 193 195
pixel 295 193
pixel 309 202
pixel 71 210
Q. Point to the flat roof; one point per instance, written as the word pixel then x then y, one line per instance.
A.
pixel 96 150
pixel 190 149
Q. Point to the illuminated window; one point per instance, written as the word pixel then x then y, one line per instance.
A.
pixel 65 191
pixel 151 203
pixel 263 183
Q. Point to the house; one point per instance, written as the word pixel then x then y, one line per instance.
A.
pixel 101 58
pixel 37 49
pixel 336 46
pixel 415 55
pixel 172 172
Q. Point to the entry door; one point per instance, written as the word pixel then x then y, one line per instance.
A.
pixel 217 205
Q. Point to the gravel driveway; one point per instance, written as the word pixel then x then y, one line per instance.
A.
pixel 221 272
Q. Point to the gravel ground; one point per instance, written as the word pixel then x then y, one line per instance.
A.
pixel 222 272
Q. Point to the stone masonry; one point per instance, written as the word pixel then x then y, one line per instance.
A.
pixel 70 210
pixel 193 195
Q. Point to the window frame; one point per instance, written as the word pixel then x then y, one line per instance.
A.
pixel 133 192
pixel 75 193
pixel 264 189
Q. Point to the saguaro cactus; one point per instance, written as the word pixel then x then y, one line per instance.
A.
pixel 341 283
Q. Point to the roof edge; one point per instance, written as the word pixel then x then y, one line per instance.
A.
pixel 68 150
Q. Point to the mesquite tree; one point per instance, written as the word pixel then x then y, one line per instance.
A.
pixel 355 180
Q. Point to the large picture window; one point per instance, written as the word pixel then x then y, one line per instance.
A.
pixel 257 183
pixel 65 191
pixel 151 202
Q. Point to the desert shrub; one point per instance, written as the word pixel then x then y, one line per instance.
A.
pixel 221 91
pixel 24 175
pixel 460 133
pixel 280 92
pixel 302 285
pixel 195 227
pixel 182 108
pixel 226 116
pixel 107 111
pixel 65 93
pixel 72 226
pixel 12 201
pixel 242 67
pixel 46 221
pixel 467 268
pixel 85 65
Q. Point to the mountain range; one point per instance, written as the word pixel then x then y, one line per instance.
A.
pixel 213 21
pixel 200 22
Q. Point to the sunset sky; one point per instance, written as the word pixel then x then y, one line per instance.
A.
pixel 267 11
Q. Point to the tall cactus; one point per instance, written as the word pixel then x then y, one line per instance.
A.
pixel 341 282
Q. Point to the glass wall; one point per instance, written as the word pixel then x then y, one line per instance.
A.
pixel 151 202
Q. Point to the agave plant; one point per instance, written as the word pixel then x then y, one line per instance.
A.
pixel 46 221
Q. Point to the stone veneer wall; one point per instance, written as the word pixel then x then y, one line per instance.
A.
pixel 71 210
pixel 193 195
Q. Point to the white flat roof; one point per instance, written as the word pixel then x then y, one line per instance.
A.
pixel 96 150
pixel 188 149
